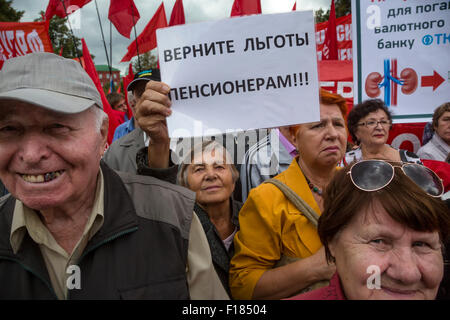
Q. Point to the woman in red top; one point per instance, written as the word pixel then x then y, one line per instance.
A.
pixel 383 226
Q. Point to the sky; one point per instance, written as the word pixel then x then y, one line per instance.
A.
pixel 88 26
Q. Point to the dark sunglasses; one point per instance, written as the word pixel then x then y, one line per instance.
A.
pixel 373 175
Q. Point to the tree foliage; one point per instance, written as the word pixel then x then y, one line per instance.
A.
pixel 342 8
pixel 61 37
pixel 8 13
pixel 146 61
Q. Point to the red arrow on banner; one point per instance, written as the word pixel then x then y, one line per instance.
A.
pixel 432 81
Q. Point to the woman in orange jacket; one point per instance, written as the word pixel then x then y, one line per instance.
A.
pixel 278 252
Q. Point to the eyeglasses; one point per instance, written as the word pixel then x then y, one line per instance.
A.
pixel 374 123
pixel 373 175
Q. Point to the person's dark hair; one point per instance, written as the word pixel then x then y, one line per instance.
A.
pixel 361 110
pixel 438 113
pixel 139 88
pixel 114 98
pixel 404 201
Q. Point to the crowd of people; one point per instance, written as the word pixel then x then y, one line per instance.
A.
pixel 323 219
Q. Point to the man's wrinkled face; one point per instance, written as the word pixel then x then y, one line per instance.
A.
pixel 48 159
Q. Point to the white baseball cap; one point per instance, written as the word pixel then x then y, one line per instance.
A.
pixel 48 81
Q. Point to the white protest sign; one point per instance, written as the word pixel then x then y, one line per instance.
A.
pixel 240 73
pixel 401 55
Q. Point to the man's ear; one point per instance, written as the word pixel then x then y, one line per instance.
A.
pixel 104 130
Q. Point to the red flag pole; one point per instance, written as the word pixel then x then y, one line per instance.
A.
pixel 110 51
pixel 71 31
pixel 103 36
pixel 135 39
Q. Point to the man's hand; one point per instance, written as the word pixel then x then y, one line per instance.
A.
pixel 152 109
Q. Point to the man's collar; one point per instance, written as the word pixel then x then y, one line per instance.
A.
pixel 130 124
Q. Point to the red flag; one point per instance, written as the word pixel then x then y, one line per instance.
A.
pixel 147 39
pixel 244 7
pixel 330 48
pixel 21 38
pixel 343 30
pixel 57 7
pixel 114 117
pixel 294 8
pixel 177 15
pixel 124 15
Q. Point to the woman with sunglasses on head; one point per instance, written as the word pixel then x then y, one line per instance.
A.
pixel 383 227
pixel 278 252
pixel 369 124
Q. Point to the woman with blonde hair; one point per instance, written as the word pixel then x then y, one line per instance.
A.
pixel 209 171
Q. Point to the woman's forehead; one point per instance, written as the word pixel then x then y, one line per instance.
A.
pixel 209 156
pixel 330 111
pixel 375 219
pixel 376 114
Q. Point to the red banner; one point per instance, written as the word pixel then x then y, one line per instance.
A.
pixel 344 37
pixel 21 38
pixel 407 136
pixel 337 77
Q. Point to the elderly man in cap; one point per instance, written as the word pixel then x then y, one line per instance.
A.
pixel 72 228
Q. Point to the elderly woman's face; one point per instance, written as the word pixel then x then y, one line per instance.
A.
pixel 410 262
pixel 373 129
pixel 323 142
pixel 210 178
